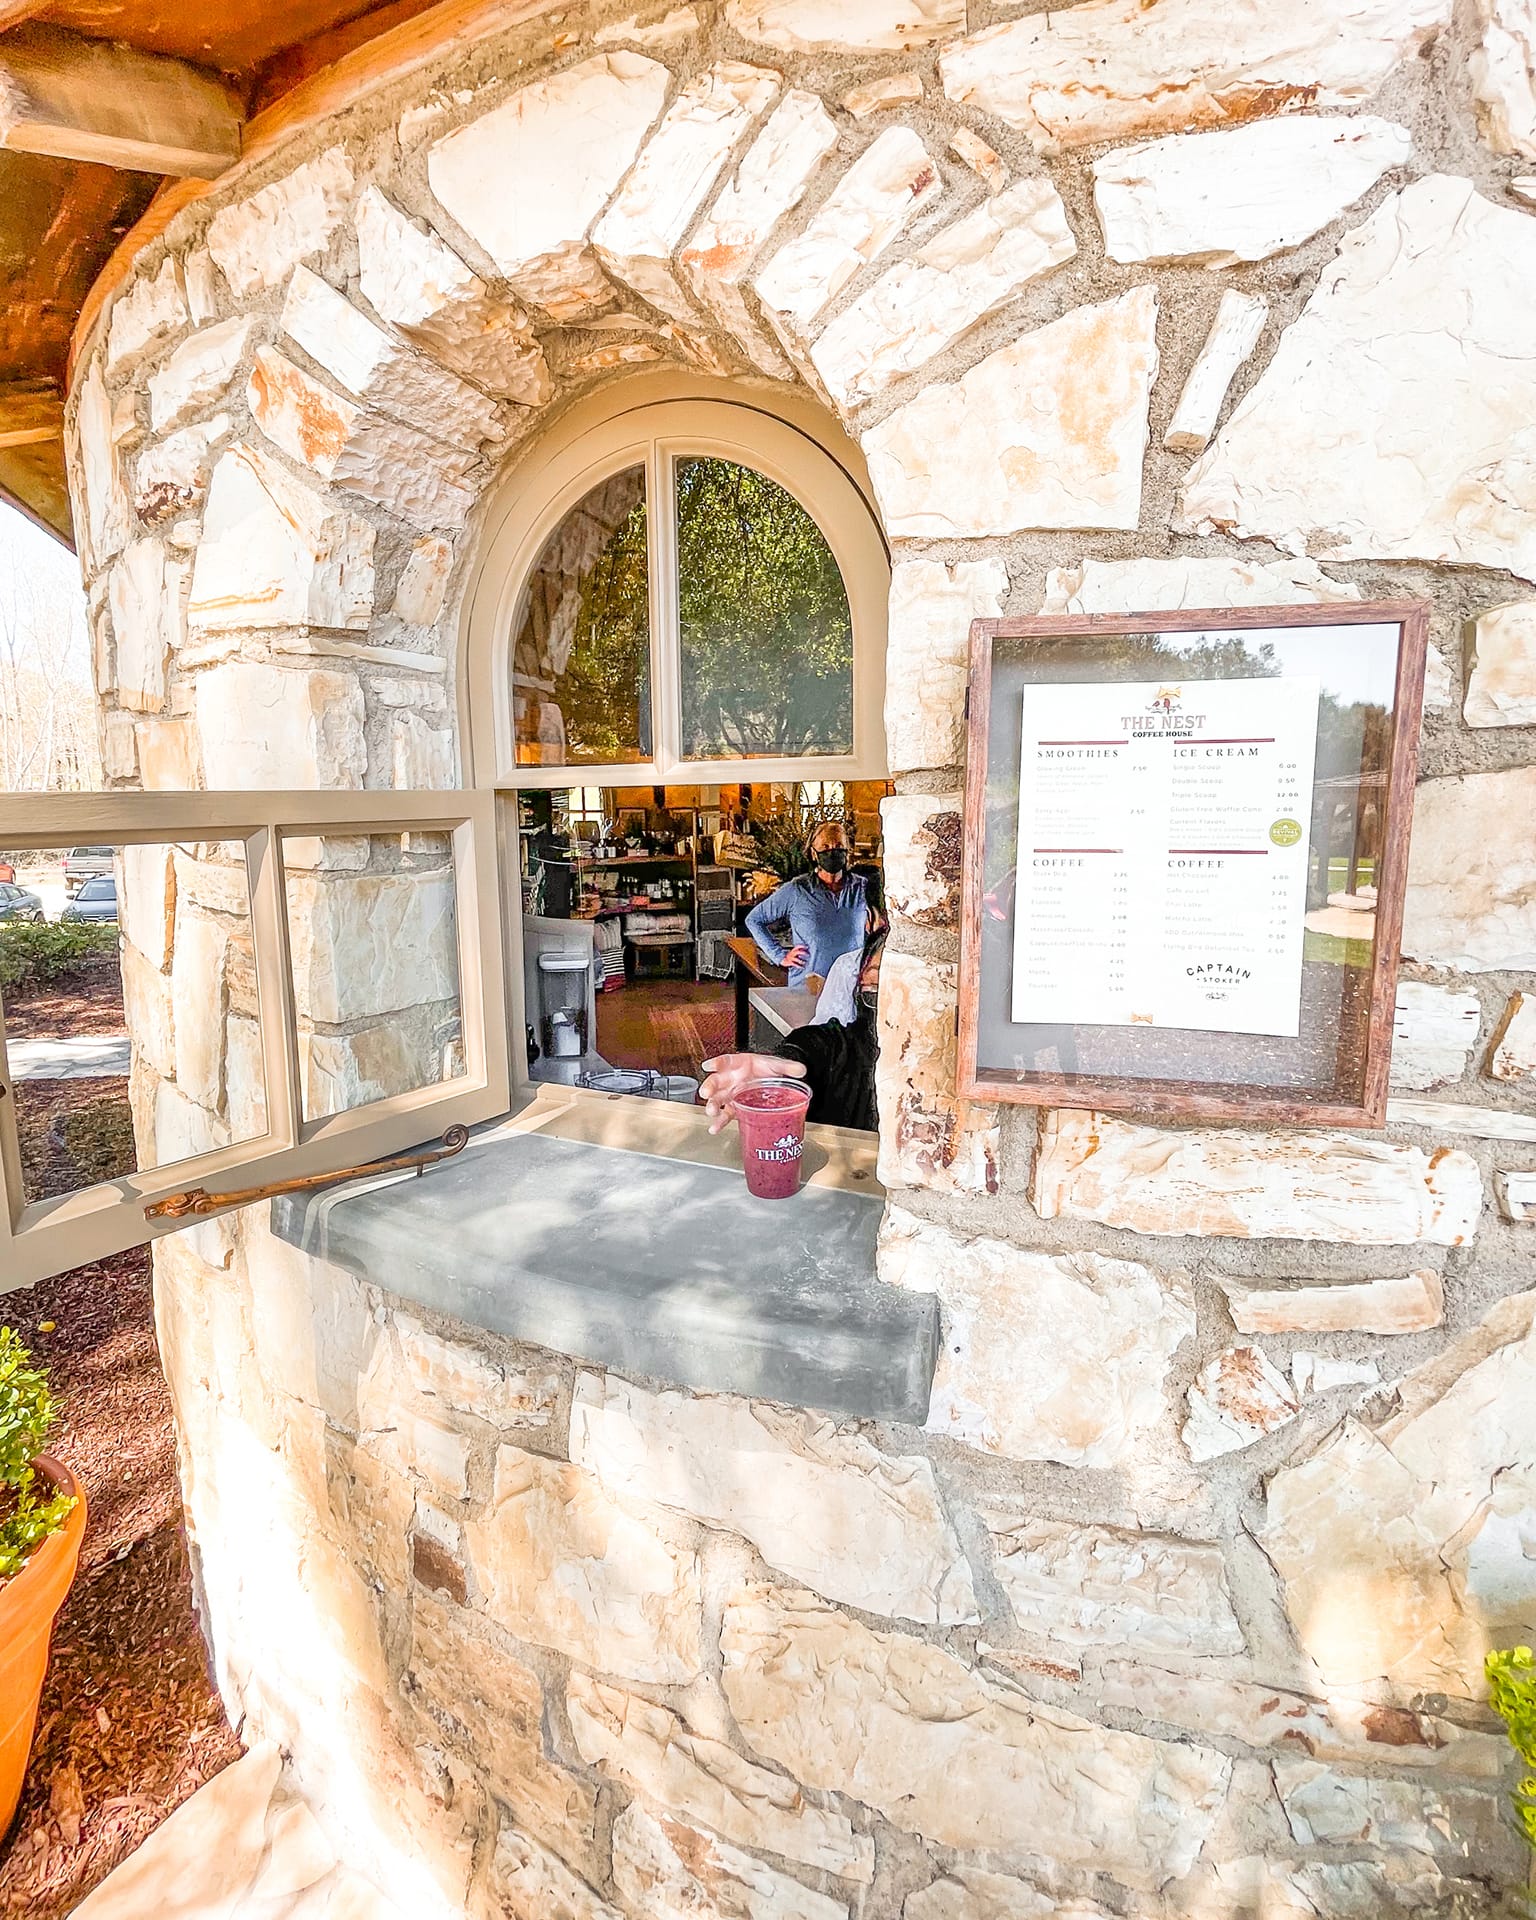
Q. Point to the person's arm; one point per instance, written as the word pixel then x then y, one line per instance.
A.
pixel 839 994
pixel 768 914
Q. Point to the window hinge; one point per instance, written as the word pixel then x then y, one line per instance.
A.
pixel 177 1206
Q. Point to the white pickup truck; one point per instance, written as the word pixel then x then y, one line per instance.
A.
pixel 85 863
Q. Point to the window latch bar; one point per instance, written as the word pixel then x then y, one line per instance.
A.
pixel 198 1200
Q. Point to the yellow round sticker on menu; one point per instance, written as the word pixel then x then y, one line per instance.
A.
pixel 1285 833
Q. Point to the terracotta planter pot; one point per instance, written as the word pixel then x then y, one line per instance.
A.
pixel 28 1603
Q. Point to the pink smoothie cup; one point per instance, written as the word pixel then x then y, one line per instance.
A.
pixel 770 1116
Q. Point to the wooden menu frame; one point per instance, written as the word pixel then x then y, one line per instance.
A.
pixel 1058 647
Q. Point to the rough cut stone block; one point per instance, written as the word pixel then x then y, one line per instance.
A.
pixel 1281 1184
pixel 802 26
pixel 1433 1031
pixel 858 1712
pixel 368 453
pixel 822 1505
pixel 148 621
pixel 152 310
pixel 772 179
pixel 1454 1116
pixel 106 504
pixel 1047 432
pixel 421 755
pixel 527 180
pixel 922 857
pixel 1381 427
pixel 146 900
pixel 262 726
pixel 921 307
pixel 931 609
pixel 1045 1356
pixel 1097 1586
pixel 198 1002
pixel 1226 197
pixel 276 554
pixel 257 241
pixel 366 944
pixel 1471 902
pixel 1513 1054
pixel 973 151
pixel 422 287
pixel 677 23
pixel 1323 1373
pixel 677 169
pixel 562 1566
pixel 656 1753
pixel 1165 586
pixel 423 586
pixel 167 754
pixel 888 183
pixel 147 1008
pixel 1501 688
pixel 1110 69
pixel 968 1893
pixel 1517 1197
pixel 881 96
pixel 1236 1399
pixel 1399 1547
pixel 529 1883
pixel 172 475
pixel 1326 1806
pixel 373 367
pixel 1503 72
pixel 198 373
pixel 1410 1304
pixel 663 1868
pixel 929 1136
pixel 1233 336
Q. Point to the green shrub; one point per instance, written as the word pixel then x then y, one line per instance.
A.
pixel 35 953
pixel 1512 1692
pixel 27 1411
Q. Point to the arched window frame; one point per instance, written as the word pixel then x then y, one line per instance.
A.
pixel 790 442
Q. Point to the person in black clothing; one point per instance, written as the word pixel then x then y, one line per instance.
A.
pixel 838 1060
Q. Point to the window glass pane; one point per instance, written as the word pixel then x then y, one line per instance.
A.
pixel 372 934
pixel 581 669
pixel 766 635
pixel 160 934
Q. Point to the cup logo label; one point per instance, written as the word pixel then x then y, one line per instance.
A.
pixel 787 1147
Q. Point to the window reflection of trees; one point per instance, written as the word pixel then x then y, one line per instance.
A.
pixel 767 637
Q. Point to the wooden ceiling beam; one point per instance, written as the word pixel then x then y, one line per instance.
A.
pixel 79 99
pixel 31 412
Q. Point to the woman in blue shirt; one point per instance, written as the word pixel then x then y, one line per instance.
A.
pixel 824 909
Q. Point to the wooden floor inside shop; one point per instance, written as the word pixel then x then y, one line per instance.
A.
pixel 669 1025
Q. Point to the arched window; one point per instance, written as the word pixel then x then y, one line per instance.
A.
pixel 678 590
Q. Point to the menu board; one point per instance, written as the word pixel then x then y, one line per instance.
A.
pixel 1163 853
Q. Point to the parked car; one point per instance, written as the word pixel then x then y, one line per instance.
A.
pixel 17 904
pixel 96 900
pixel 85 863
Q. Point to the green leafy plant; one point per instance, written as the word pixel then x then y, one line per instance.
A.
pixel 1511 1675
pixel 27 1412
pixel 35 953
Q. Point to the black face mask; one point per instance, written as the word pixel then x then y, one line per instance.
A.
pixel 831 859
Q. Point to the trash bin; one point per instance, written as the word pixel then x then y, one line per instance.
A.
pixel 564 990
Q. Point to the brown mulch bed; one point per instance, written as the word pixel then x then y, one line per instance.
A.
pixel 66 1136
pixel 86 1003
pixel 130 1724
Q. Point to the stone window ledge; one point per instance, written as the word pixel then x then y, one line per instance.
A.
pixel 618 1231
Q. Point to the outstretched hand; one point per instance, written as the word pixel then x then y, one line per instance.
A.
pixel 729 1073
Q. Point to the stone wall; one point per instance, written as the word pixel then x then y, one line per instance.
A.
pixel 1178 1606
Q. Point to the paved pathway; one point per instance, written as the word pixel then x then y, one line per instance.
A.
pixel 242 1848
pixel 95 1056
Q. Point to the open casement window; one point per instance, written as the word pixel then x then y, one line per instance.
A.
pixel 687 590
pixel 313 982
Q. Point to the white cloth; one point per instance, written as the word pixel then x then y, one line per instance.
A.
pixel 839 996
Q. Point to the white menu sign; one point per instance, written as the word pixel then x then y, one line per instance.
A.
pixel 1163 852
